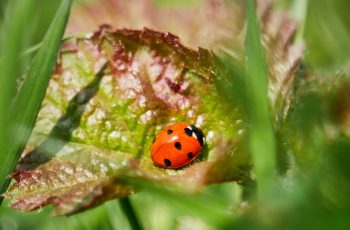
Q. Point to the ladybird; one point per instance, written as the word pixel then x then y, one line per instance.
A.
pixel 177 145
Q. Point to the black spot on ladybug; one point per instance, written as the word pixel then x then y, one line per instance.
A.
pixel 188 132
pixel 190 155
pixel 167 162
pixel 154 140
pixel 178 145
pixel 199 134
pixel 169 131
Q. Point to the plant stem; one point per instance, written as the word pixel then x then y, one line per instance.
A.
pixel 130 213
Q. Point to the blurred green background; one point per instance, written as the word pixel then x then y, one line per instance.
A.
pixel 313 142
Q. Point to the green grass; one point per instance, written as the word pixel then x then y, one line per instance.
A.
pixel 129 211
pixel 261 137
pixel 20 111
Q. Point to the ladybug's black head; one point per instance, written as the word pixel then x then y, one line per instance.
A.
pixel 199 134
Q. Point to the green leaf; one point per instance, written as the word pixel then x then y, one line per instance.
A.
pixel 108 97
pixel 26 104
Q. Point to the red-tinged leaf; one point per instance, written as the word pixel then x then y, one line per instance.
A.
pixel 112 93
pixel 108 98
pixel 224 32
pixel 190 22
pixel 283 56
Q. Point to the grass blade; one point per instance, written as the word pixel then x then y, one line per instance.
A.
pixel 27 103
pixel 262 142
pixel 13 29
pixel 129 211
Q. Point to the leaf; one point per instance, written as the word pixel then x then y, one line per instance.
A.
pixel 226 19
pixel 85 122
pixel 283 57
pixel 108 97
pixel 224 28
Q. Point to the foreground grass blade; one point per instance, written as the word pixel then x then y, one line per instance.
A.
pixel 11 35
pixel 262 143
pixel 27 103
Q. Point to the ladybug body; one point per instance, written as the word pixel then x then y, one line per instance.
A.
pixel 177 145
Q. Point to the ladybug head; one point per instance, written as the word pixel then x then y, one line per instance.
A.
pixel 199 134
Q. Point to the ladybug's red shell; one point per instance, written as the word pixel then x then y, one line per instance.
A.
pixel 177 145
